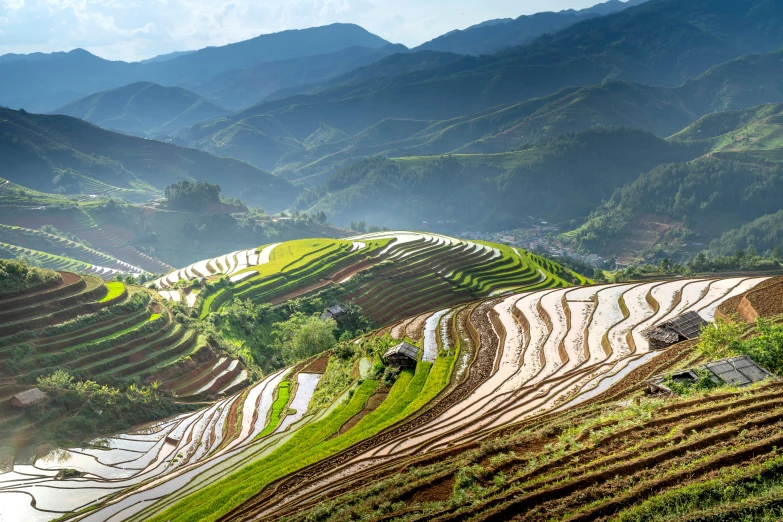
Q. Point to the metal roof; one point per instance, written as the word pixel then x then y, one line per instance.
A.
pixel 405 349
pixel 738 371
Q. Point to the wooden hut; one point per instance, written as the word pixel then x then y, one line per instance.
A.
pixel 402 356
pixel 333 312
pixel 682 328
pixel 28 398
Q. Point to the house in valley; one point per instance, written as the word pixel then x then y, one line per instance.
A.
pixel 681 328
pixel 28 398
pixel 402 356
pixel 333 312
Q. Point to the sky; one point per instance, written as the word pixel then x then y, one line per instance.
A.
pixel 137 29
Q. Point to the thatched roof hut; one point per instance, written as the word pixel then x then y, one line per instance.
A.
pixel 403 355
pixel 28 398
pixel 681 328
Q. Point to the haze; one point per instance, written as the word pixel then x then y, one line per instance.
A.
pixel 138 29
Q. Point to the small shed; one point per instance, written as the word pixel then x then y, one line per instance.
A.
pixel 682 328
pixel 28 398
pixel 333 312
pixel 736 371
pixel 402 356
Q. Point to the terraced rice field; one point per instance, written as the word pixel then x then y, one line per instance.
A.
pixel 522 361
pixel 413 272
pixel 532 355
pixel 72 256
pixel 102 331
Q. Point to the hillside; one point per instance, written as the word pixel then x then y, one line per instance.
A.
pixel 42 83
pixel 365 271
pixel 736 182
pixel 143 109
pixel 556 180
pixel 494 376
pixel 65 154
pixel 496 35
pixel 239 88
pixel 114 333
pixel 682 40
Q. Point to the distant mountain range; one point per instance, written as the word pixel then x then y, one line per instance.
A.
pixel 143 109
pixel 43 82
pixel 496 35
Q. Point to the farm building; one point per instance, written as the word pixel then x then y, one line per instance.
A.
pixel 736 371
pixel 402 356
pixel 681 328
pixel 28 398
pixel 333 312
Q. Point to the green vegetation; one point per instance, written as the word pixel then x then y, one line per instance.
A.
pixel 115 290
pixel 278 408
pixel 763 343
pixel 76 408
pixel 192 196
pixel 17 277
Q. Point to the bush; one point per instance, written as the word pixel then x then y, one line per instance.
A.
pixel 16 277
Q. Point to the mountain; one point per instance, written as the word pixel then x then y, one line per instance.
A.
pixel 33 83
pixel 739 179
pixel 143 109
pixel 241 87
pixel 557 180
pixel 55 153
pixel 495 35
pixel 681 40
pixel 746 81
pixel 166 57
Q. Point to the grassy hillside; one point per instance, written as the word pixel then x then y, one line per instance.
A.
pixel 556 180
pixel 65 154
pixel 143 109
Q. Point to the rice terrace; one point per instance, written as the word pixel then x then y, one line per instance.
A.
pixel 475 262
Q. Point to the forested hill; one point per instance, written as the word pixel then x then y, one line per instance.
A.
pixel 68 155
pixel 556 180
pixel 738 182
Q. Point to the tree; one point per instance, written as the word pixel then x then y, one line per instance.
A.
pixel 192 196
pixel 302 336
pixel 777 254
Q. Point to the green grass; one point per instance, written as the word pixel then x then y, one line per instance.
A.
pixel 115 290
pixel 276 417
pixel 312 443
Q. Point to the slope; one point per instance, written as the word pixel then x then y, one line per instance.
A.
pixel 738 180
pixel 143 109
pixel 681 40
pixel 51 153
pixel 496 35
pixel 556 180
